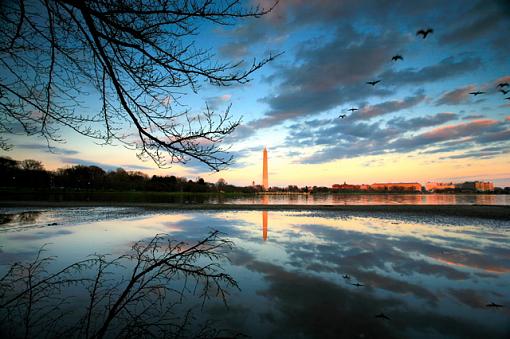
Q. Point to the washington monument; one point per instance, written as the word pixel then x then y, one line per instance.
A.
pixel 265 180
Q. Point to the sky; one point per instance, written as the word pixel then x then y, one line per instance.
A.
pixel 418 124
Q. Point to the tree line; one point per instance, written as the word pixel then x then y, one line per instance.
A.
pixel 31 174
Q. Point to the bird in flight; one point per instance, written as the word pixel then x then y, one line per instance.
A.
pixel 352 109
pixel 425 32
pixel 373 83
pixel 397 57
pixel 382 316
pixel 342 116
pixel 503 84
pixel 476 93
pixel 504 92
pixel 357 284
pixel 492 304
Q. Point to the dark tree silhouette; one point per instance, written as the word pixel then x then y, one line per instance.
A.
pixel 31 165
pixel 136 57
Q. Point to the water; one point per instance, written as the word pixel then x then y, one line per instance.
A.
pixel 433 276
pixel 374 199
pixel 249 199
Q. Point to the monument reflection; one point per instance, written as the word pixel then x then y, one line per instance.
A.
pixel 265 201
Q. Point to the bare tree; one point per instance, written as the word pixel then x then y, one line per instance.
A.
pixel 137 57
pixel 133 295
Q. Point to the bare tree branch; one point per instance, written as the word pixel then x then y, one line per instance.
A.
pixel 129 55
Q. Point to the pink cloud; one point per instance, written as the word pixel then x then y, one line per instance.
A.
pixel 450 131
pixel 505 78
pixel 456 96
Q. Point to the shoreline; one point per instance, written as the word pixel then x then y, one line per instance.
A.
pixel 500 212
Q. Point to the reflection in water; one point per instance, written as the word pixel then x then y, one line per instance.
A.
pixel 372 199
pixel 264 225
pixel 264 199
pixel 19 218
pixel 433 276
pixel 105 304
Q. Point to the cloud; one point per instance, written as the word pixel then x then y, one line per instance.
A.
pixel 107 167
pixel 39 235
pixel 136 167
pixel 501 135
pixel 468 297
pixel 447 68
pixel 474 116
pixel 45 148
pixel 332 75
pixel 391 106
pixel 241 132
pixel 340 140
pixel 505 78
pixel 327 76
pixel 457 96
pixel 445 133
pixel 477 155
pixel 234 50
pixel 461 95
pixel 484 18
pixel 448 148
pixel 216 102
pixel 292 15
pixel 421 122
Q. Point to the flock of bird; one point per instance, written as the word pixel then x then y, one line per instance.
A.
pixel 501 87
pixel 424 33
pixel 385 317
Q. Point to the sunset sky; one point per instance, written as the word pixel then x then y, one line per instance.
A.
pixel 418 124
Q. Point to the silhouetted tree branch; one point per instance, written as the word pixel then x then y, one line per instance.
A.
pixel 135 57
pixel 135 294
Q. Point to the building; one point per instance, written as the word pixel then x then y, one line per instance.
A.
pixel 399 186
pixel 414 186
pixel 346 187
pixel 439 186
pixel 476 186
pixel 265 179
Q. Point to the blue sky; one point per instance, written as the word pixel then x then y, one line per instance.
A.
pixel 419 123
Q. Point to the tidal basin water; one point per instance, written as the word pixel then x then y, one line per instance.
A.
pixel 432 276
pixel 372 199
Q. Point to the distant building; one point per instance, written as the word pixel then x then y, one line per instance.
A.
pixel 399 186
pixel 378 187
pixel 439 186
pixel 476 186
pixel 473 186
pixel 346 187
